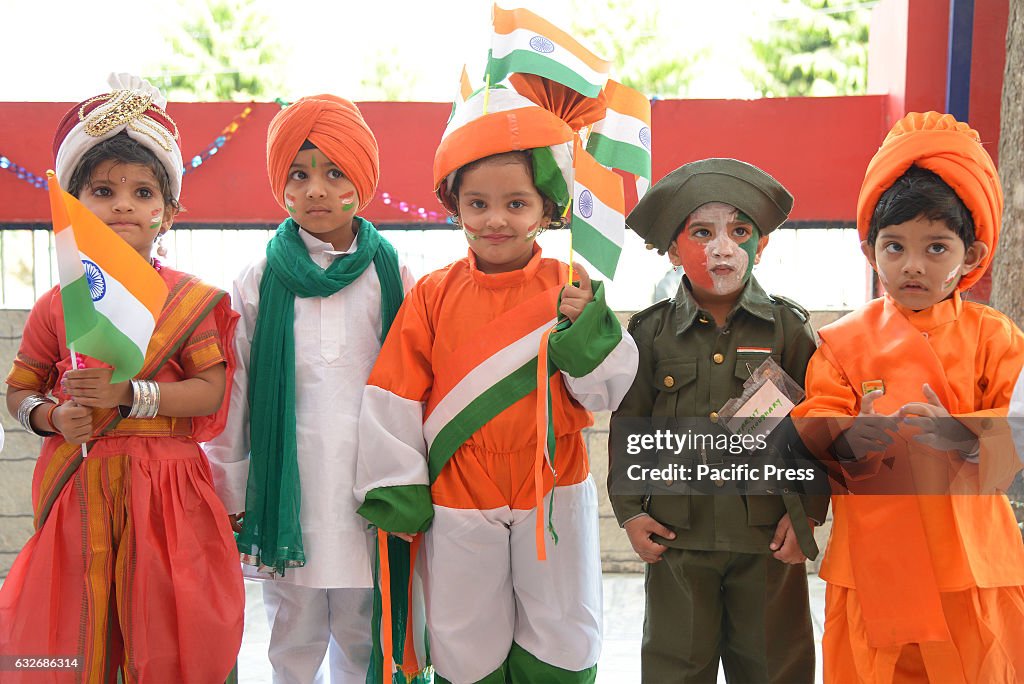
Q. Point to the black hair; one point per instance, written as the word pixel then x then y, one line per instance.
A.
pixel 122 149
pixel 523 156
pixel 922 193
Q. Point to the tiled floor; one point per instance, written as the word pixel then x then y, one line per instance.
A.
pixel 623 624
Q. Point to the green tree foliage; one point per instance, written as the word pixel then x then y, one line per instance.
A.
pixel 392 76
pixel 643 54
pixel 818 48
pixel 223 50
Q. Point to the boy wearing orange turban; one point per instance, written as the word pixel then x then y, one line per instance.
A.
pixel 907 395
pixel 314 312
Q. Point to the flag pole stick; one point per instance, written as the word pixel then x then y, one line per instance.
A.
pixel 51 178
pixel 564 214
pixel 487 90
pixel 74 366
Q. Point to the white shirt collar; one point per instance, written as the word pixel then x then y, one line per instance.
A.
pixel 316 246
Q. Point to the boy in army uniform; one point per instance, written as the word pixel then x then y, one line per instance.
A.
pixel 725 575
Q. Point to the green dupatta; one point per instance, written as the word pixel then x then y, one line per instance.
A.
pixel 271 535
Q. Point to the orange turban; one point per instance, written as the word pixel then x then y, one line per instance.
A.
pixel 337 129
pixel 951 149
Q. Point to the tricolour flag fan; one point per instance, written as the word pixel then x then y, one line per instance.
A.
pixel 622 140
pixel 525 43
pixel 598 213
pixel 111 296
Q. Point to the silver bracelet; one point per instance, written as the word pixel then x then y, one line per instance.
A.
pixel 145 399
pixel 25 409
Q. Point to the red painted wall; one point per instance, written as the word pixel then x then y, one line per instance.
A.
pixel 817 147
pixel 232 186
pixel 909 42
pixel 988 61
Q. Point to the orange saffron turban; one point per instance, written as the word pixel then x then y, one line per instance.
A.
pixel 337 128
pixel 951 149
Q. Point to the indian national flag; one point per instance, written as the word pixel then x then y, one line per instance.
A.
pixel 111 296
pixel 622 140
pixel 525 43
pixel 598 214
pixel 465 88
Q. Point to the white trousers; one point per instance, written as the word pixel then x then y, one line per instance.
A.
pixel 306 622
pixel 485 587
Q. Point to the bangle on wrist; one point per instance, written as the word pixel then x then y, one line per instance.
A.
pixel 25 409
pixel 145 400
pixel 49 418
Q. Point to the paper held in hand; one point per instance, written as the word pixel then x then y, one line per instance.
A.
pixel 768 395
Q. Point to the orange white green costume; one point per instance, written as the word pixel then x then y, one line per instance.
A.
pixel 447 436
pixel 448 440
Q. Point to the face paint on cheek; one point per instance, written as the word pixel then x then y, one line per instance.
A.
pixel 289 203
pixel 471 233
pixel 348 200
pixel 156 219
pixel 750 249
pixel 532 232
pixel 694 260
pixel 951 278
pixel 732 279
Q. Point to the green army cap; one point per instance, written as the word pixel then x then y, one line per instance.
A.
pixel 663 210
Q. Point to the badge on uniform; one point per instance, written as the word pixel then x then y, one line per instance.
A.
pixel 769 395
pixel 871 386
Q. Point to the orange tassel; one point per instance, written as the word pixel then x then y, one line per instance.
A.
pixel 542 438
pixel 385 604
pixel 410 664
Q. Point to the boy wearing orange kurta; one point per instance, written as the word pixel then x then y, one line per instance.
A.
pixel 907 396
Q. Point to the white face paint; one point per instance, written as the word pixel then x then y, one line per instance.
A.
pixel 728 242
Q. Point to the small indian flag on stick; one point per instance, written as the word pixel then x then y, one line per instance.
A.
pixel 598 214
pixel 525 43
pixel 622 140
pixel 111 296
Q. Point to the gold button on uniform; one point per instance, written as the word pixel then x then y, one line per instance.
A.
pixel 669 381
pixel 714 416
pixel 718 358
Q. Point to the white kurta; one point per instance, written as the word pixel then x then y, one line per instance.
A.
pixel 337 340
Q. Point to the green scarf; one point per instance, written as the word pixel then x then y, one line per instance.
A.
pixel 271 535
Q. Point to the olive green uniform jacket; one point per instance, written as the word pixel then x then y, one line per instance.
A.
pixel 690 368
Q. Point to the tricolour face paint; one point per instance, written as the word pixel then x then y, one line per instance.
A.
pixel 919 262
pixel 348 200
pixel 533 231
pixel 313 162
pixel 717 248
pixel 951 279
pixel 156 218
pixel 501 211
pixel 289 203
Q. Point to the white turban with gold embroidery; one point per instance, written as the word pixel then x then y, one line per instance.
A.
pixel 134 106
